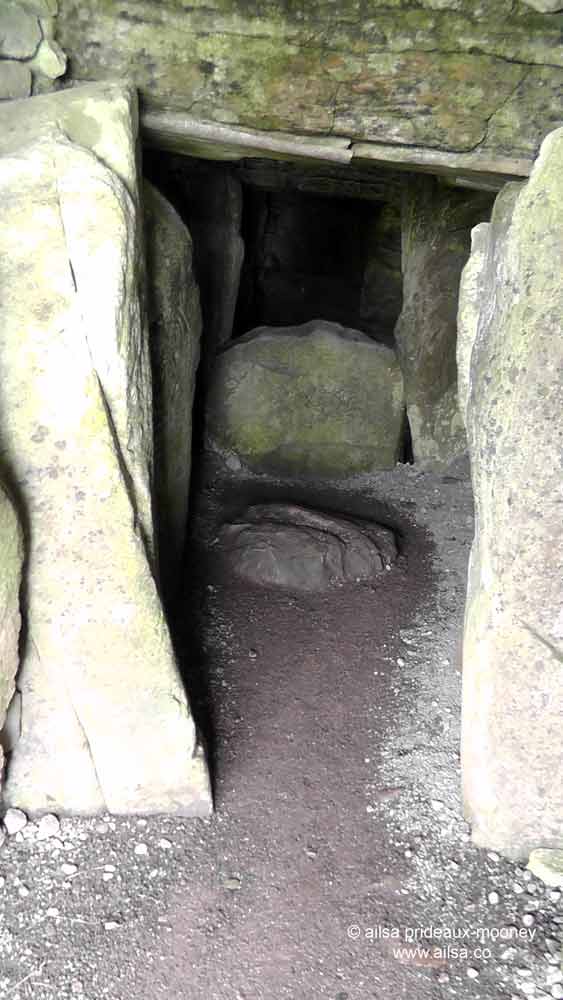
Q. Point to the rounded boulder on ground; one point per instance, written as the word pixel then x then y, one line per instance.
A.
pixel 311 400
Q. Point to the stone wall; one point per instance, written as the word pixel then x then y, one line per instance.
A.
pixel 511 392
pixel 31 60
pixel 447 75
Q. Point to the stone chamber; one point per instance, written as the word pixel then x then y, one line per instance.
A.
pixel 280 409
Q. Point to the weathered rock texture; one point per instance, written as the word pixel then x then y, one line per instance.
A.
pixel 11 566
pixel 284 545
pixel 437 223
pixel 445 74
pixel 312 400
pixel 214 208
pixel 382 285
pixel 209 199
pixel 105 723
pixel 545 6
pixel 175 329
pixel 31 60
pixel 511 370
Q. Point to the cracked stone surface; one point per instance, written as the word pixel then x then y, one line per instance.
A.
pixel 444 75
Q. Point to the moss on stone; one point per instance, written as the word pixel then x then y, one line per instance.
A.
pixel 308 400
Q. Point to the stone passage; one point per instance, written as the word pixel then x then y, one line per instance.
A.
pixel 316 399
pixel 511 390
pixel 105 723
pixel 289 546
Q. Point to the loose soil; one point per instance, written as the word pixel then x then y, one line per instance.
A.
pixel 332 723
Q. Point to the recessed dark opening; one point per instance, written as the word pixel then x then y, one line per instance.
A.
pixel 309 255
pixel 282 244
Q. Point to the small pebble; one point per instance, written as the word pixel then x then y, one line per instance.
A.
pixel 252 654
pixel 48 827
pixel 437 805
pixel 14 821
pixel 141 849
pixel 164 843
pixel 473 973
pixel 518 888
pixel 528 920
pixel 110 925
pixel 23 891
pixel 493 856
pixel 443 978
pixel 52 911
pixel 554 896
pixel 493 898
pixel 68 869
pixel 509 954
pixel 232 883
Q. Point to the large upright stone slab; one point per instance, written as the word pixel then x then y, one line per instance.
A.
pixel 311 400
pixel 436 222
pixel 214 208
pixel 105 723
pixel 175 330
pixel 11 565
pixel 511 380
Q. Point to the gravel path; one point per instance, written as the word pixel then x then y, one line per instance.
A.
pixel 333 725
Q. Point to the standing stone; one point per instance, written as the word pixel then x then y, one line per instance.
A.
pixel 437 224
pixel 105 724
pixel 382 286
pixel 11 565
pixel 175 329
pixel 511 374
pixel 312 400
pixel 214 207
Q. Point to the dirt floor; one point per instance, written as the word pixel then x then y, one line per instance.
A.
pixel 337 863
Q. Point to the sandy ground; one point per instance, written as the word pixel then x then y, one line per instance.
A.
pixel 333 727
